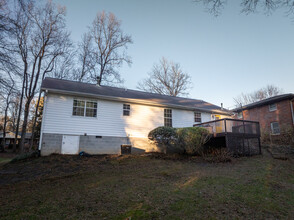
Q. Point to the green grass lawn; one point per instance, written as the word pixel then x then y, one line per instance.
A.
pixel 145 187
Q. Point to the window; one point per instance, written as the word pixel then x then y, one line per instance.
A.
pixel 168 118
pixel 126 110
pixel 275 128
pixel 240 115
pixel 272 107
pixel 84 108
pixel 91 109
pixel 197 117
pixel 78 108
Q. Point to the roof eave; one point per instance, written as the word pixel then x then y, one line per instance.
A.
pixel 262 102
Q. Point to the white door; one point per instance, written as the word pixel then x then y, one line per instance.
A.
pixel 70 144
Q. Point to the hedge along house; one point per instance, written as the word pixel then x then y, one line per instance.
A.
pixel 99 119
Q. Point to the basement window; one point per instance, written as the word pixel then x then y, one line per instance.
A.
pixel 197 117
pixel 84 108
pixel 126 110
pixel 275 128
pixel 272 107
pixel 168 122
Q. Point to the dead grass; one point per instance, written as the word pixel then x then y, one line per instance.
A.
pixel 146 187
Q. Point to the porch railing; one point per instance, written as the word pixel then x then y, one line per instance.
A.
pixel 232 126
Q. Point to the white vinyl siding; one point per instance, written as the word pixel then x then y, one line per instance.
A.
pixel 110 121
pixel 205 117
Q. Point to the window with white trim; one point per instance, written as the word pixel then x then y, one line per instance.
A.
pixel 275 128
pixel 240 115
pixel 126 110
pixel 168 118
pixel 272 107
pixel 84 108
pixel 197 117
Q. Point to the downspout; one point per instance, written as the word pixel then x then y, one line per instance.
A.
pixel 291 105
pixel 43 119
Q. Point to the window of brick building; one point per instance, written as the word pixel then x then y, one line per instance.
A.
pixel 272 107
pixel 275 128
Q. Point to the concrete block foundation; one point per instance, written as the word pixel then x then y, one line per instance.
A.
pixel 52 143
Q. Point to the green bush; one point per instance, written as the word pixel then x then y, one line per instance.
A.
pixel 185 140
pixel 164 137
pixel 192 139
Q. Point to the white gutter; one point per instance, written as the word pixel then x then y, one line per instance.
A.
pixel 136 101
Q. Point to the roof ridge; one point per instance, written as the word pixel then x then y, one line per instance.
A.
pixel 48 77
pixel 153 93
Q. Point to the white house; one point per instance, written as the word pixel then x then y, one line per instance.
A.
pixel 99 119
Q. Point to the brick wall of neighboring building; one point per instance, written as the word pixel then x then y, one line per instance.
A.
pixel 262 114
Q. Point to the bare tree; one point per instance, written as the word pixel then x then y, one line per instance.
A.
pixel 7 60
pixel 85 59
pixel 38 38
pixel 13 111
pixel 258 95
pixel 78 64
pixel 4 32
pixel 103 50
pixel 64 66
pixel 6 96
pixel 166 78
pixel 250 6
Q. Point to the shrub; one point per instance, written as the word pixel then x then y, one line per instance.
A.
pixel 286 137
pixel 164 137
pixel 192 139
pixel 185 140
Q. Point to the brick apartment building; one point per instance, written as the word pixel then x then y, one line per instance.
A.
pixel 274 114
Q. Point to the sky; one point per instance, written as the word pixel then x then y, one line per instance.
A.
pixel 226 55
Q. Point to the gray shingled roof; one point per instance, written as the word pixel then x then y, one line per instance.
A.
pixel 267 101
pixel 73 87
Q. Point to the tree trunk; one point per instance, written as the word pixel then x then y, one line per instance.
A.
pixel 4 127
pixel 35 120
pixel 19 115
pixel 24 125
